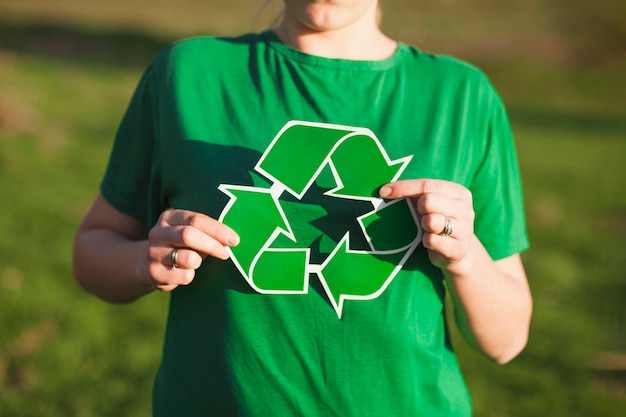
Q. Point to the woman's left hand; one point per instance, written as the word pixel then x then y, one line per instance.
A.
pixel 446 216
pixel 492 300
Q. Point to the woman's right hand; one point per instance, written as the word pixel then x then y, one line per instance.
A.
pixel 119 260
pixel 180 241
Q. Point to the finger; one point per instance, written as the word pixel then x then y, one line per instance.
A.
pixel 165 238
pixel 191 238
pixel 206 224
pixel 181 276
pixel 418 187
pixel 443 247
pixel 195 231
pixel 182 258
pixel 433 223
pixel 438 203
pixel 166 278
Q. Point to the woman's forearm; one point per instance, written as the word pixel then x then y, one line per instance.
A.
pixel 117 259
pixel 111 266
pixel 493 304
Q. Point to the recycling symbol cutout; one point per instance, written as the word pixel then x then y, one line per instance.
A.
pixel 292 162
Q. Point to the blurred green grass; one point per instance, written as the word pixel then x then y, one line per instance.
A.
pixel 67 69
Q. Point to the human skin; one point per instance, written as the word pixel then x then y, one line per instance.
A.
pixel 119 260
pixel 492 299
pixel 346 29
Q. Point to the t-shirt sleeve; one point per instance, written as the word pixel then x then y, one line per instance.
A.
pixel 500 222
pixel 131 180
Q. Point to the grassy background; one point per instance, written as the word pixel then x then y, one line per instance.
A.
pixel 67 69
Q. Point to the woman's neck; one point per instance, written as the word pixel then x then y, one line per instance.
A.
pixel 359 40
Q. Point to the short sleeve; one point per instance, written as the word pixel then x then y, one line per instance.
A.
pixel 131 180
pixel 500 222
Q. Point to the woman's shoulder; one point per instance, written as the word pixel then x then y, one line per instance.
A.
pixel 205 48
pixel 454 77
pixel 447 66
pixel 218 42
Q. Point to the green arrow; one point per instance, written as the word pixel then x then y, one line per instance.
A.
pixel 256 215
pixel 362 166
pixel 281 271
pixel 362 275
pixel 298 153
pixel 392 226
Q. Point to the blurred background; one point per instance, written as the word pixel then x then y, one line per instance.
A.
pixel 67 70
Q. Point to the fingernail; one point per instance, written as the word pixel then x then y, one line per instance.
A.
pixel 233 240
pixel 384 191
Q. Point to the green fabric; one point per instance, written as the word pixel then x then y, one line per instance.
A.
pixel 203 115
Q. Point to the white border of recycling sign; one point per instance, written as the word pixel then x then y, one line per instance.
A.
pixel 292 162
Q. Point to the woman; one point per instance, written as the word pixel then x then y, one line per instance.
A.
pixel 332 301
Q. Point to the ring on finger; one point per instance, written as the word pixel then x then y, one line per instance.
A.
pixel 174 258
pixel 447 227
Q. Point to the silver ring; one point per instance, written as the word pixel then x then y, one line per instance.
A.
pixel 447 227
pixel 174 258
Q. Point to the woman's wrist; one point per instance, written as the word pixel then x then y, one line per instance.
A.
pixel 465 267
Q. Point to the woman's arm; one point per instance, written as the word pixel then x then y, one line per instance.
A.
pixel 119 260
pixel 492 300
pixel 493 304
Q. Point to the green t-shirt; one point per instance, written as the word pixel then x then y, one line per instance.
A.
pixel 329 306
